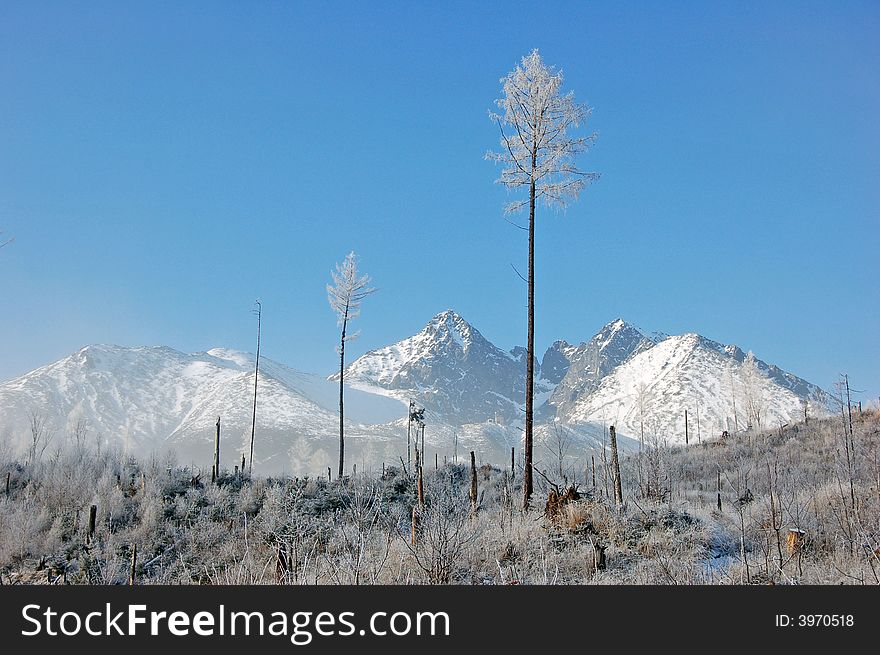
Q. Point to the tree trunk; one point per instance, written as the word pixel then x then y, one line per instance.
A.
pixel 217 450
pixel 686 428
pixel 409 433
pixel 131 572
pixel 341 399
pixel 615 469
pixel 93 514
pixel 530 346
pixel 256 377
pixel 473 493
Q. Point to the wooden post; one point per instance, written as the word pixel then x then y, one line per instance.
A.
pixel 236 470
pixel 415 526
pixel 131 572
pixel 217 450
pixel 213 474
pixel 615 469
pixel 512 462
pixel 354 470
pixel 593 461
pixel 599 550
pixel 718 487
pixel 93 515
pixel 436 461
pixel 329 475
pixel 408 432
pixel 242 463
pixel 473 483
pixel 421 490
pixel 686 440
pixel 8 473
pixel 383 469
pixel 143 482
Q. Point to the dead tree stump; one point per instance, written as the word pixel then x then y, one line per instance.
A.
pixel 414 537
pixel 599 553
pixel 795 540
pixel 132 569
pixel 473 483
pixel 615 468
pixel 93 515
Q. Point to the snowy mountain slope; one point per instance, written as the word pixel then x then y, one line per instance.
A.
pixel 590 362
pixel 585 387
pixel 149 399
pixel 449 368
pixel 650 392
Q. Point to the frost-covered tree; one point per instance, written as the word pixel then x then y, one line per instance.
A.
pixel 538 152
pixel 753 389
pixel 345 294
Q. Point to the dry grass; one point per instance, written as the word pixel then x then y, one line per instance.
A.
pixel 309 531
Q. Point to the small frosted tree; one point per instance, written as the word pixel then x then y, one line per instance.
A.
pixel 538 153
pixel 345 294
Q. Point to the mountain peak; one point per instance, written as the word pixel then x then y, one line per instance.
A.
pixel 448 327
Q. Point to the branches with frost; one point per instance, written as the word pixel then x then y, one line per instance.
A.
pixel 535 119
pixel 348 291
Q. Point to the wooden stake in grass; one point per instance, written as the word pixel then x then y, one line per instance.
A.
pixel 599 550
pixel 8 473
pixel 421 490
pixel 414 537
pixel 615 469
pixel 93 515
pixel 473 483
pixel 131 572
pixel 686 440
pixel 217 450
pixel 593 461
pixel 718 488
pixel 794 541
pixel 512 462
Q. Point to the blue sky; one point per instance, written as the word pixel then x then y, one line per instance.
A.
pixel 164 164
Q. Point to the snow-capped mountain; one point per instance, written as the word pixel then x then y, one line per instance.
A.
pixel 149 399
pixel 621 376
pixel 648 393
pixel 578 370
pixel 449 368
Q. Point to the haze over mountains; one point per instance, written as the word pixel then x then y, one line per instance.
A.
pixel 152 399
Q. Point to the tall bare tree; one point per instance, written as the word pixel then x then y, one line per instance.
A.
pixel 259 312
pixel 538 153
pixel 345 294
